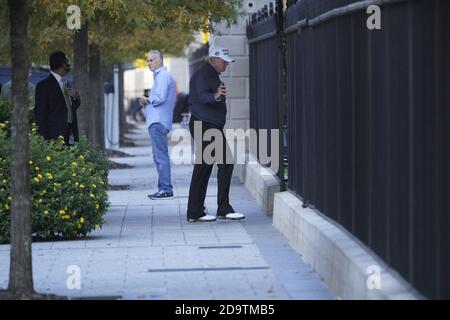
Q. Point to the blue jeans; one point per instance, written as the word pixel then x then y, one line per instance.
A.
pixel 158 135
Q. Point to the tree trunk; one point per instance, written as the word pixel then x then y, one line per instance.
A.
pixel 81 77
pixel 96 116
pixel 20 275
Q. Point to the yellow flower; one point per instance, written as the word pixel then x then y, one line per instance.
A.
pixel 81 157
pixel 94 186
pixel 97 206
pixel 74 174
pixel 81 186
pixel 36 179
pixel 45 212
pixel 62 212
pixel 74 164
pixel 30 162
pixel 49 176
pixel 44 192
pixel 40 200
pixel 40 176
pixel 36 168
pixel 6 207
pixel 92 195
pixel 81 220
pixel 49 158
pixel 78 226
pixel 4 181
pixel 9 198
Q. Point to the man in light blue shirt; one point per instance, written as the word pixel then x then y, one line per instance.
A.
pixel 159 114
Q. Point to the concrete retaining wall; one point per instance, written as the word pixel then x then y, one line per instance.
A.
pixel 348 267
pixel 260 182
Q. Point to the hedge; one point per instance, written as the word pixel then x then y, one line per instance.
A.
pixel 68 186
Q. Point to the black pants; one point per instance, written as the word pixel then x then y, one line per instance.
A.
pixel 202 172
pixel 68 133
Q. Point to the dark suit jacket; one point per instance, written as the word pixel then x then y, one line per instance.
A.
pixel 51 111
pixel 202 103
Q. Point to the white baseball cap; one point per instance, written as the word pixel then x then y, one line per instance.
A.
pixel 219 52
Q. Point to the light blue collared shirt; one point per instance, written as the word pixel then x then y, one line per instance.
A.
pixel 161 100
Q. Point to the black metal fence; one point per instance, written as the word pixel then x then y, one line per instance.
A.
pixel 368 117
pixel 265 76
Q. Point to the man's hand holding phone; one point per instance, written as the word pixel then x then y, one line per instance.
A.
pixel 143 101
pixel 221 92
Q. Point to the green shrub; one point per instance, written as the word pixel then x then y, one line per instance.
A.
pixel 4 185
pixel 4 111
pixel 68 188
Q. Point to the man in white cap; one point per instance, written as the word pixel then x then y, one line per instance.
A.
pixel 207 104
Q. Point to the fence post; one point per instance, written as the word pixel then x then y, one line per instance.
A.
pixel 282 85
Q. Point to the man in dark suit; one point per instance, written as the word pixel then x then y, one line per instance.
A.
pixel 207 103
pixel 56 102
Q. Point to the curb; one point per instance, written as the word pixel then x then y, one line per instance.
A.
pixel 260 182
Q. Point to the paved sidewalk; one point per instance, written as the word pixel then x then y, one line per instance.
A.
pixel 147 249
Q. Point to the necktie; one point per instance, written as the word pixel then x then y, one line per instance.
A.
pixel 68 101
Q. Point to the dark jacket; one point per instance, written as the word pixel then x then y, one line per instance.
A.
pixel 51 111
pixel 202 103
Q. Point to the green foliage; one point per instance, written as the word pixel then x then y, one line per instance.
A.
pixel 5 111
pixel 5 115
pixel 4 183
pixel 123 30
pixel 68 187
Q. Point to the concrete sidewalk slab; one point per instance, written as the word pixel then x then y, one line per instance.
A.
pixel 147 249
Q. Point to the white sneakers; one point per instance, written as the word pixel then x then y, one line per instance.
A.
pixel 206 218
pixel 209 218
pixel 232 216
